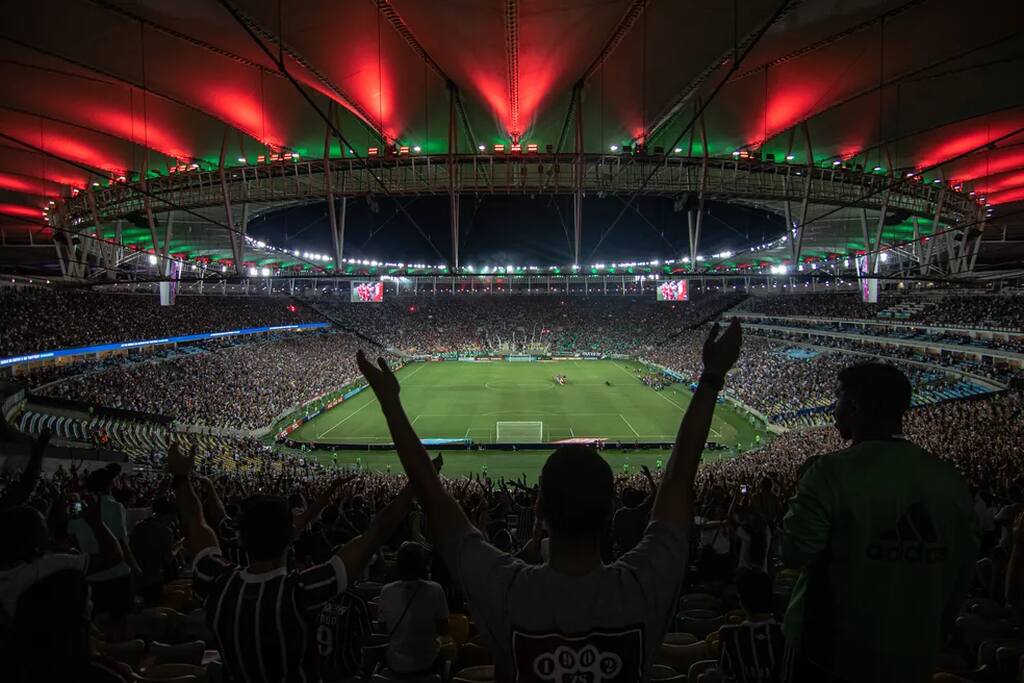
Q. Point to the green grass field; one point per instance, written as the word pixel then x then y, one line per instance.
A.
pixel 465 401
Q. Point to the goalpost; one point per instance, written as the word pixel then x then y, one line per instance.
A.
pixel 520 432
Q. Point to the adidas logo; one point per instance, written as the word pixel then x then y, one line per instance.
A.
pixel 913 540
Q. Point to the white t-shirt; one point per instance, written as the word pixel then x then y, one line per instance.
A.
pixel 539 623
pixel 414 644
pixel 114 518
pixel 20 577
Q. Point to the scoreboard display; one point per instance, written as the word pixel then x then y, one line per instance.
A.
pixel 673 290
pixel 367 292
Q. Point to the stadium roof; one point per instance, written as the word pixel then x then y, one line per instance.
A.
pixel 95 90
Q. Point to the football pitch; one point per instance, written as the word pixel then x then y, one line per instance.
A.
pixel 456 400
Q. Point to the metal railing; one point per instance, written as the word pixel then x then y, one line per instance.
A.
pixel 305 180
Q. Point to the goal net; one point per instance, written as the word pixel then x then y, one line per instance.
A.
pixel 520 432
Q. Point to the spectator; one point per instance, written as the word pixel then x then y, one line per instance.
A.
pixel 112 587
pixel 50 639
pixel 752 651
pixel 630 520
pixel 153 543
pixel 886 537
pixel 572 602
pixel 265 602
pixel 414 612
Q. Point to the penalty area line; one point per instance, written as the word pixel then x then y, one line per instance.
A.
pixel 635 433
pixel 714 432
pixel 347 418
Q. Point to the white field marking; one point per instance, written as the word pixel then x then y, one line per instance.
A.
pixel 572 433
pixel 414 420
pixel 422 365
pixel 610 437
pixel 714 432
pixel 636 433
pixel 348 417
pixel 513 412
pixel 374 400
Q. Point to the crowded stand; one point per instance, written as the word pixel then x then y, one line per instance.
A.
pixel 178 524
pixel 243 386
pixel 790 388
pixel 791 385
pixel 43 319
pixel 354 552
pixel 963 362
pixel 905 331
pixel 976 311
pixel 513 324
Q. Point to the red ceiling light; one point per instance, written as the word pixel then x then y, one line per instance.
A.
pixel 532 148
pixel 499 147
pixel 516 147
pixel 373 151
pixel 404 149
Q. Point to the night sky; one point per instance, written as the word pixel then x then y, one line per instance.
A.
pixel 499 230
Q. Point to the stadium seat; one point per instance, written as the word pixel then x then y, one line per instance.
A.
pixel 682 655
pixel 475 674
pixel 703 601
pixel 458 627
pixel 660 672
pixel 178 673
pixel 130 652
pixel 472 655
pixel 181 653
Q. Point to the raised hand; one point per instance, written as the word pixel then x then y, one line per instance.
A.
pixel 721 351
pixel 381 379
pixel 179 464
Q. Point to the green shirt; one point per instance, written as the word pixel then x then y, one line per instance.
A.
pixel 886 536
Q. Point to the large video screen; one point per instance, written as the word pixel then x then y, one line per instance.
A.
pixel 367 292
pixel 673 290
